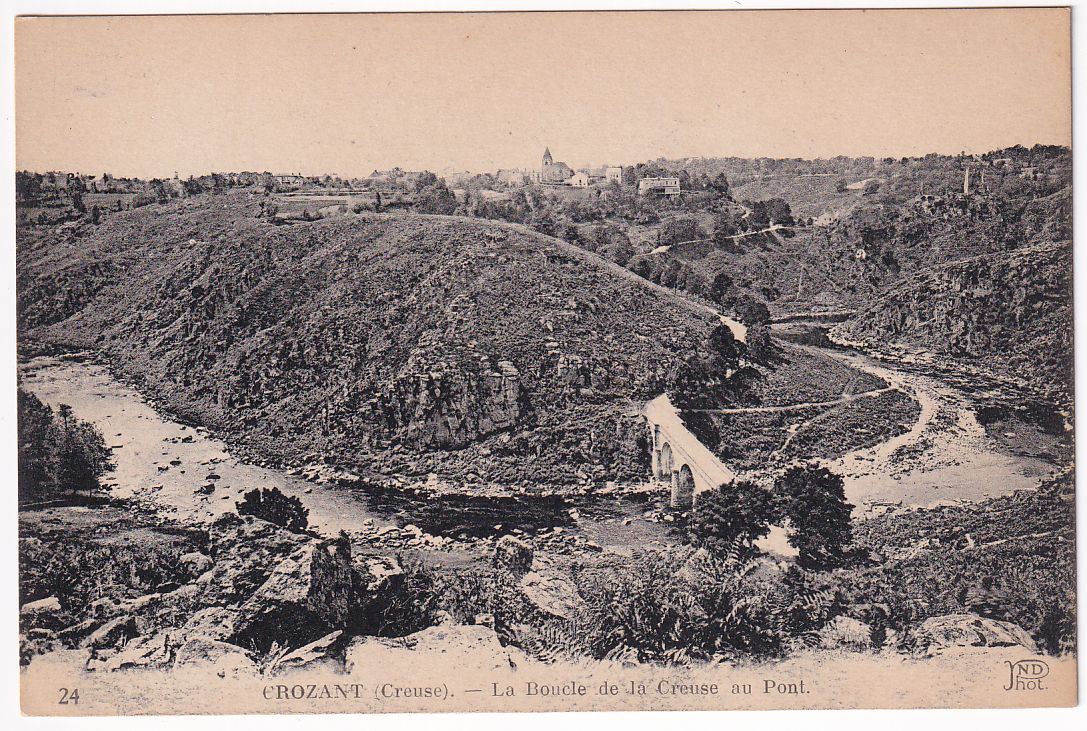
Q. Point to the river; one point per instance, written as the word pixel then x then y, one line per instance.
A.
pixel 190 476
pixel 947 455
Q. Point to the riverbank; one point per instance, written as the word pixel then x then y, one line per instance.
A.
pixel 188 475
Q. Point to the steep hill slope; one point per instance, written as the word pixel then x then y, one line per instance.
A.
pixel 400 343
pixel 1009 312
pixel 850 261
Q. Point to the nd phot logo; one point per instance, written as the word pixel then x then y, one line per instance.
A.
pixel 1026 674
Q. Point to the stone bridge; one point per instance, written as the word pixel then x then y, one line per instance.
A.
pixel 678 457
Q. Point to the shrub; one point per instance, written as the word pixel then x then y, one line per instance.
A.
pixel 272 505
pixel 673 607
pixel 79 571
pixel 735 514
pixel 813 500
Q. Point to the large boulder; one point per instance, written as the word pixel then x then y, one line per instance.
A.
pixel 376 582
pixel 47 605
pixel 307 595
pixel 220 657
pixel 245 550
pixel 195 563
pixel 550 595
pixel 42 613
pixel 141 652
pixel 374 574
pixel 113 633
pixel 937 634
pixel 210 623
pixel 512 556
pixel 325 653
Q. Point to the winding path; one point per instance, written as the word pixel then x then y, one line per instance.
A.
pixel 800 406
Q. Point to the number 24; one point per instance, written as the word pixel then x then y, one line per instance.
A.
pixel 68 696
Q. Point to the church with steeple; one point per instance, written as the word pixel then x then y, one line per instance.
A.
pixel 551 171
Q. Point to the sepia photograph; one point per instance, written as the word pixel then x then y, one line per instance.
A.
pixel 544 361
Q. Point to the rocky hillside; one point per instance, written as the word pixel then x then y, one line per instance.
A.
pixel 1008 312
pixel 848 262
pixel 397 343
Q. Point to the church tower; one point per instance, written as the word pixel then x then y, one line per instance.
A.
pixel 547 156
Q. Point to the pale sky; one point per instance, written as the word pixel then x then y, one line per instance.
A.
pixel 345 94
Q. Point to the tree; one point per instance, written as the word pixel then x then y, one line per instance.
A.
pixel 720 185
pixel 751 311
pixel 58 453
pixel 759 345
pixel 96 215
pixel 759 218
pixel 426 179
pixel 812 498
pixel 871 187
pixel 725 227
pixel 721 291
pixel 542 222
pixel 614 244
pixel 192 186
pixel 159 189
pixel 28 186
pixel 272 505
pixel 678 230
pixel 670 275
pixel 723 350
pixel 738 512
pixel 571 235
pixel 436 199
pixel 840 186
pixel 779 212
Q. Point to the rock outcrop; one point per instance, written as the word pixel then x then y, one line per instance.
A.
pixel 938 634
pixel 1011 311
pixel 444 407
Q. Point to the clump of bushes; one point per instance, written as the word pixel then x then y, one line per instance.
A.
pixel 60 456
pixel 272 505
pixel 730 518
pixel 809 499
pixel 78 572
pixel 676 606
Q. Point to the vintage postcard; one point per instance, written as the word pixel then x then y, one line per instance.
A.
pixel 545 361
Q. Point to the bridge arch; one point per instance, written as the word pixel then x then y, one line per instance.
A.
pixel 683 488
pixel 665 462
